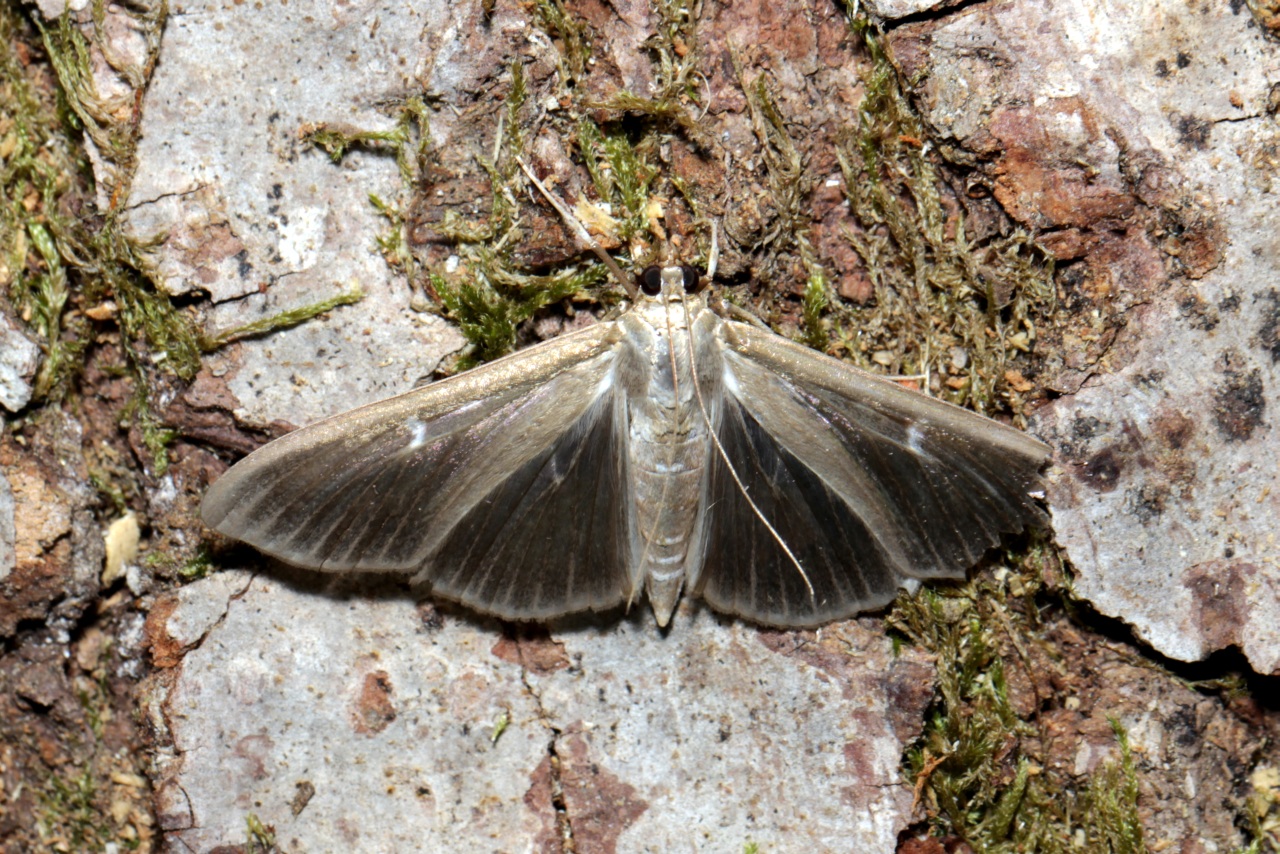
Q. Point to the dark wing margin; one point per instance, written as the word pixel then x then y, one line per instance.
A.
pixel 482 484
pixel 867 483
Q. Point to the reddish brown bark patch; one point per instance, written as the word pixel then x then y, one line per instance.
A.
pixel 1183 741
pixel 1238 401
pixel 1039 180
pixel 935 845
pixel 165 650
pixel 203 413
pixel 1268 336
pixel 599 805
pixel 253 753
pixel 49 522
pixel 534 650
pixel 374 710
pixel 540 799
pixel 1220 591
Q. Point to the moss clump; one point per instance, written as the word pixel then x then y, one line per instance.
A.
pixel 489 309
pixel 281 320
pixel 69 812
pixel 409 141
pixel 570 35
pixel 972 767
pixel 789 189
pixel 259 838
pixel 490 295
pixel 676 79
pixel 1261 812
pixel 487 286
pixel 955 312
pixel 69 271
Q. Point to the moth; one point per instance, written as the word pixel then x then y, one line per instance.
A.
pixel 670 450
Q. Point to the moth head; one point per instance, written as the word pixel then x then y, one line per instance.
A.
pixel 670 282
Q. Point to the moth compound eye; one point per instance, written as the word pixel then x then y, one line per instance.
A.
pixel 692 279
pixel 651 281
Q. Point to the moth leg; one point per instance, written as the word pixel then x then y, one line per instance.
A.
pixel 737 312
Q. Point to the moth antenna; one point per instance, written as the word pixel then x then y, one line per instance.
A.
pixel 724 455
pixel 581 233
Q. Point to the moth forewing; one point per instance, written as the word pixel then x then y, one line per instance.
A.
pixel 933 484
pixel 381 487
pixel 807 367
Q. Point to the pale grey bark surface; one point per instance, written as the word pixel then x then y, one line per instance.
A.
pixel 1110 116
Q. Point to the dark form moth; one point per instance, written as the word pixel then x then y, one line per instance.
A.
pixel 670 450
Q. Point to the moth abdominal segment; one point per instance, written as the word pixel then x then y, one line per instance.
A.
pixel 663 590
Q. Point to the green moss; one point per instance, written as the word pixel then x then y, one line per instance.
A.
pixel 111 493
pixel 409 141
pixel 491 296
pixel 487 289
pixel 281 320
pixel 503 169
pixel 974 767
pixel 198 565
pixel 70 813
pixel 1261 811
pixel 789 184
pixel 500 726
pixel 816 299
pixel 785 238
pixel 1112 802
pixel 42 163
pixel 58 264
pixel 627 182
pixel 42 297
pixel 958 312
pixel 489 308
pixel 188 568
pixel 569 34
pixel 110 265
pixel 677 83
pixel 259 838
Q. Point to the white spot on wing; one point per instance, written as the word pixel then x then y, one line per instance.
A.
pixel 419 431
pixel 915 438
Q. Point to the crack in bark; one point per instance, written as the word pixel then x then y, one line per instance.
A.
pixel 141 203
pixel 938 13
pixel 564 824
pixel 235 596
pixel 1234 119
